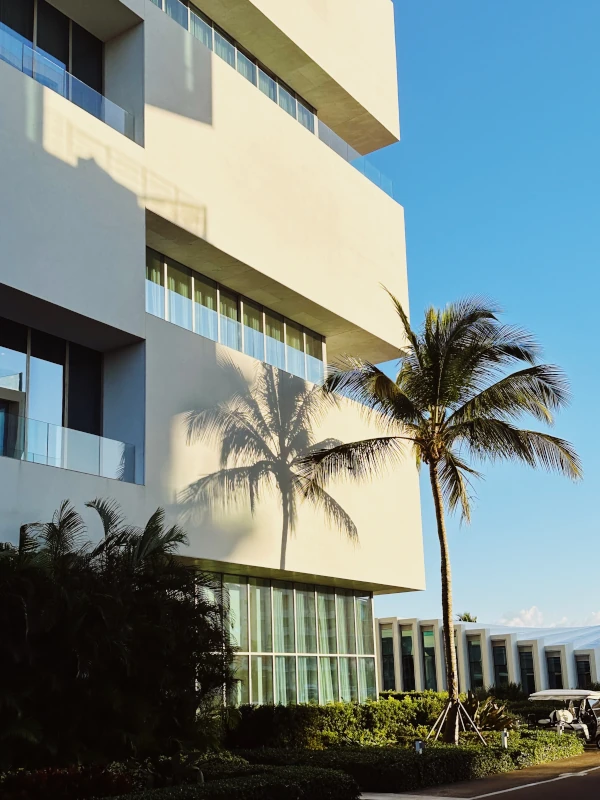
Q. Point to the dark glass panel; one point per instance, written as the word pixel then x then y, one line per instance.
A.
pixel 87 58
pixel 13 335
pixel 18 15
pixel 85 390
pixel 53 32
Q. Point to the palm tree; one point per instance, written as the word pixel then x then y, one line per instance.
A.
pixel 263 433
pixel 454 402
pixel 466 617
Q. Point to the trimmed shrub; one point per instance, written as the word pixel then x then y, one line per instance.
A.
pixel 71 783
pixel 270 783
pixel 392 769
pixel 384 722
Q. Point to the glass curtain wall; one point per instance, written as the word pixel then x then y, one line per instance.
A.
pixel 288 640
pixel 184 297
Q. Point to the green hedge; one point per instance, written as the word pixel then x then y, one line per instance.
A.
pixel 390 769
pixel 269 783
pixel 317 727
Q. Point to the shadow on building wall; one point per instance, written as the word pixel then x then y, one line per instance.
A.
pixel 262 429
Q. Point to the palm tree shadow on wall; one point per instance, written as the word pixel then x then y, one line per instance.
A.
pixel 263 431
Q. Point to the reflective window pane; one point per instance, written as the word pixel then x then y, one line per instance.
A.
pixel 475 662
pixel 429 673
pixel 326 618
pixel 246 67
pixel 178 12
pixel 315 368
pixel 287 101
pixel 306 117
pixel 224 49
pixel 554 666
pixel 308 680
pixel 179 295
pixel 260 616
pixel 238 610
pixel 364 625
pixel 155 284
pixel 274 338
pixel 345 620
pixel 46 377
pixel 229 320
pixel 500 664
pixel 13 361
pixel 294 341
pixel 329 680
pixel 201 29
pixel 205 308
pixel 348 681
pixel 408 660
pixel 267 85
pixel 240 694
pixel 527 671
pixel 18 15
pixel 305 619
pixel 367 688
pixel 283 616
pixel 285 679
pixel 262 680
pixel 387 657
pixel 254 338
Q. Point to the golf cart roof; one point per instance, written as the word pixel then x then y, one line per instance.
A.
pixel 564 694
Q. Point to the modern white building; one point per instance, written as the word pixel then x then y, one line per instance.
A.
pixel 411 656
pixel 188 205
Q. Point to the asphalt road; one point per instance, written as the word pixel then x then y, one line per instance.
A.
pixel 547 782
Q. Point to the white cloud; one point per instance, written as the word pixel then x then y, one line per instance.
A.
pixel 594 618
pixel 526 618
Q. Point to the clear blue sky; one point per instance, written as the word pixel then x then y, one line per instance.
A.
pixel 499 173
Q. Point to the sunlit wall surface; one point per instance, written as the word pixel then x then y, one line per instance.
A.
pixel 300 643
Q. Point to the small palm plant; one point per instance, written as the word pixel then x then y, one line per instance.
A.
pixel 454 402
pixel 466 617
pixel 264 432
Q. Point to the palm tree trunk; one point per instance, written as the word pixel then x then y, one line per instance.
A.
pixel 451 729
pixel 284 528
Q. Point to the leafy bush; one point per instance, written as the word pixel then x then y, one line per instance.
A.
pixel 72 783
pixel 337 724
pixel 392 769
pixel 489 715
pixel 274 783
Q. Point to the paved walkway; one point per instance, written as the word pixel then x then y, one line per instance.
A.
pixel 568 778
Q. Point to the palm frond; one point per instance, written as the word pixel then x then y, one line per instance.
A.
pixel 156 541
pixel 356 460
pixel 323 501
pixel 454 475
pixel 65 534
pixel 227 488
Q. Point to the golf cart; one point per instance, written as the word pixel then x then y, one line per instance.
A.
pixel 581 712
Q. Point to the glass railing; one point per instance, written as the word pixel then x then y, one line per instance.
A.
pixel 202 28
pixel 20 53
pixel 42 443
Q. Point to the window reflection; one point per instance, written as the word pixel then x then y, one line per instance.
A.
pixel 205 298
pixel 179 284
pixel 155 284
pixel 254 340
pixel 229 315
pixel 429 673
pixel 224 49
pixel 285 680
pixel 308 680
pixel 294 341
pixel 306 619
pixel 348 680
pixel 275 344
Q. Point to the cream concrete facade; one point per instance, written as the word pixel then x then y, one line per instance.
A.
pixel 223 180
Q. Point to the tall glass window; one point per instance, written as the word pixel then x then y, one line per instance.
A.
pixel 553 663
pixel 387 658
pixel 179 295
pixel 283 617
pixel 205 308
pixel 285 680
pixel 500 664
pixel 348 680
pixel 308 679
pixel 306 619
pixel 364 625
pixel 46 378
pixel 177 11
pixel 240 694
pixel 315 369
pixel 306 117
pixel 345 617
pixel 254 340
pixel 13 358
pixel 246 67
pixel 367 687
pixel 275 343
pixel 201 29
pixel 287 101
pixel 267 85
pixel 429 676
pixel 237 591
pixel 326 618
pixel 408 660
pixel 475 662
pixel 294 341
pixel 527 670
pixel 224 49
pixel 584 672
pixel 260 616
pixel 230 320
pixel 329 680
pixel 155 284
pixel 262 680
